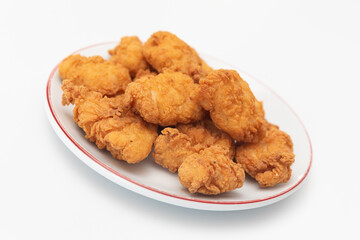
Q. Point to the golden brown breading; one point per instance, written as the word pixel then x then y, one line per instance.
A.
pixel 269 160
pixel 207 134
pixel 127 137
pixel 164 99
pixel 142 73
pixel 171 148
pixel 95 73
pixel 211 172
pixel 129 53
pixel 165 50
pixel 175 144
pixel 107 123
pixel 233 107
pixel 90 106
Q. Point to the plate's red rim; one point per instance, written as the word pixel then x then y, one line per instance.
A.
pixel 99 162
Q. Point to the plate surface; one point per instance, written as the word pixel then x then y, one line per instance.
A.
pixel 151 180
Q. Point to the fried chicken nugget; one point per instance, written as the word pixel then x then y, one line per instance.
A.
pixel 165 50
pixel 126 137
pixel 95 73
pixel 269 160
pixel 175 144
pixel 164 99
pixel 233 107
pixel 211 172
pixel 129 53
pixel 107 123
pixel 171 148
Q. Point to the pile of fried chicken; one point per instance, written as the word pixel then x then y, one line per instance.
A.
pixel 212 129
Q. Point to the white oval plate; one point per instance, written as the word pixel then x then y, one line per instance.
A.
pixel 151 180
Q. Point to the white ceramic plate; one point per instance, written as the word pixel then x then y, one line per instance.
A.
pixel 151 180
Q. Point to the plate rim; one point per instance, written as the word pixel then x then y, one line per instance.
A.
pixel 278 196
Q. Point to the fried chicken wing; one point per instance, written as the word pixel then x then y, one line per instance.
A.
pixel 233 107
pixel 211 172
pixel 269 160
pixel 164 99
pixel 129 53
pixel 107 123
pixel 165 50
pixel 175 144
pixel 95 73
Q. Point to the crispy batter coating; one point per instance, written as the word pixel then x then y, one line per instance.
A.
pixel 165 50
pixel 232 105
pixel 211 172
pixel 128 137
pixel 269 160
pixel 142 73
pixel 95 73
pixel 175 144
pixel 107 123
pixel 171 148
pixel 164 99
pixel 207 134
pixel 129 53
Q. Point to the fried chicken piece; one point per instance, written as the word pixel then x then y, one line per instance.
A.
pixel 126 137
pixel 175 144
pixel 129 53
pixel 171 148
pixel 107 123
pixel 269 160
pixel 95 73
pixel 211 172
pixel 233 107
pixel 165 50
pixel 164 99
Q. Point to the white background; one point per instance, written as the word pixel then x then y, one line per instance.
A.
pixel 307 51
